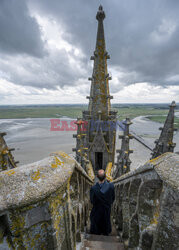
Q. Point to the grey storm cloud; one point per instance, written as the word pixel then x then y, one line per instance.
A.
pixel 19 32
pixel 50 72
pixel 141 37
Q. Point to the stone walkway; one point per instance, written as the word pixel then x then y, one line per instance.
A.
pixel 101 242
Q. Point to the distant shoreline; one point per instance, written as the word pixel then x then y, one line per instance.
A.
pixel 153 112
pixel 34 140
pixel 153 118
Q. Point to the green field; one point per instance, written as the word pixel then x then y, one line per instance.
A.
pixel 161 119
pixel 133 112
pixel 154 112
pixel 41 111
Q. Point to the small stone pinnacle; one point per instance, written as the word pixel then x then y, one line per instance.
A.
pixel 100 14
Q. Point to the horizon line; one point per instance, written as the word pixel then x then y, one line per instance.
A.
pixel 123 103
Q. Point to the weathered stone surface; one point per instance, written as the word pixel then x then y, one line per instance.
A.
pixel 134 231
pixel 165 142
pixel 149 207
pixel 30 183
pixel 36 215
pixel 168 169
pixel 98 141
pixel 6 158
pixel 47 204
pixel 167 230
pixel 123 160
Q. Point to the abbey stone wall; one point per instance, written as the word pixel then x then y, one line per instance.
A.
pixel 44 205
pixel 146 209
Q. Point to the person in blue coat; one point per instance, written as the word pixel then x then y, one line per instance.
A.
pixel 101 196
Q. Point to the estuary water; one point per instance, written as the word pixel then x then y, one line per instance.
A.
pixel 33 140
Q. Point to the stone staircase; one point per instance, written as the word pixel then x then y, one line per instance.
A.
pixel 101 242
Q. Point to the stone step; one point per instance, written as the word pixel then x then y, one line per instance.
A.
pixel 94 237
pixel 102 245
pixel 101 242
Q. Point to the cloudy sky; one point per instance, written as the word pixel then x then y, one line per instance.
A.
pixel 45 48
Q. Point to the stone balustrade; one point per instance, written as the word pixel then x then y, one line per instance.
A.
pixel 44 205
pixel 146 209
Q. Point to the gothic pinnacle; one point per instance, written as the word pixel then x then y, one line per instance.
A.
pixel 173 104
pixel 165 141
pixel 100 14
pixel 99 94
pixel 99 139
pixel 123 161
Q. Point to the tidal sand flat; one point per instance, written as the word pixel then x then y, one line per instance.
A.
pixel 33 139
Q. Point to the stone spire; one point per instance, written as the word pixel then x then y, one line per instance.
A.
pixel 165 142
pixel 123 160
pixel 97 145
pixel 99 95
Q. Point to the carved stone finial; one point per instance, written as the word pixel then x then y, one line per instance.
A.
pixel 100 7
pixel 173 104
pixel 100 14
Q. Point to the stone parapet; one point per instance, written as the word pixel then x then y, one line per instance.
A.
pixel 146 210
pixel 44 205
